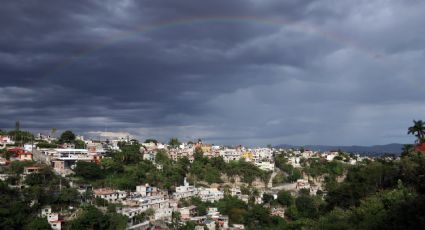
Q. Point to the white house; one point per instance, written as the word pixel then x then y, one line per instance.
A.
pixel 210 194
pixel 163 214
pixel 110 195
pixel 265 165
pixel 54 219
pixel 230 155
pixel 185 191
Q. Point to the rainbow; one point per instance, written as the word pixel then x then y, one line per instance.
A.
pixel 162 25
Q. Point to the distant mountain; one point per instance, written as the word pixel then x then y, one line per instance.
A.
pixel 364 150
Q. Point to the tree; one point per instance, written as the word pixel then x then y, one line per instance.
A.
pixel 14 213
pixel 88 170
pixel 174 142
pixel 17 126
pixel 175 217
pixel 68 196
pixel 189 225
pixel 295 175
pixel 418 129
pixel 90 218
pixel 129 154
pixel 146 215
pixel 307 206
pixel 53 131
pixel 267 198
pixel 292 212
pixel 198 154
pixel 406 150
pixel 20 136
pixel 79 144
pixel 258 217
pixel 285 198
pixel 162 157
pixel 111 166
pixel 67 137
pixel 38 224
pixel 44 144
pixel 233 207
pixel 2 132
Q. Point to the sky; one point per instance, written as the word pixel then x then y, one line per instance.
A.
pixel 251 72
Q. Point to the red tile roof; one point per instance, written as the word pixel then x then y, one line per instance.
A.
pixel 420 148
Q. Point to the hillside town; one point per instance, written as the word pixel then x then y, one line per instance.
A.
pixel 175 185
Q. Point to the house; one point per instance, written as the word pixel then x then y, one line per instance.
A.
pixel 5 140
pixel 187 212
pixel 185 191
pixel 149 156
pixel 302 184
pixel 331 155
pixel 265 165
pixel 278 212
pixel 212 211
pixel 110 195
pixel 420 148
pixel 230 155
pixel 55 221
pixel 31 170
pixel 71 156
pixel 238 227
pixel 4 177
pixel 237 192
pixel 46 211
pixel 223 221
pixel 135 205
pixel 25 156
pixel 95 147
pixel 163 214
pixel 59 167
pixel 210 224
pixel 3 161
pixel 248 156
pixel 146 190
pixel 294 161
pixel 210 194
pixel 206 148
pixel 262 154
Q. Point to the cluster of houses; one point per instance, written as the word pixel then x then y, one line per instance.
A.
pixel 261 157
pixel 131 204
pixel 163 205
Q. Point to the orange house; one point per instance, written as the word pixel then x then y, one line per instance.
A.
pixel 25 156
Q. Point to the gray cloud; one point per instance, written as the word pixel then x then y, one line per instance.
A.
pixel 250 72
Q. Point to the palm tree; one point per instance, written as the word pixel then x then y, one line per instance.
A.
pixel 418 129
pixel 53 131
pixel 406 149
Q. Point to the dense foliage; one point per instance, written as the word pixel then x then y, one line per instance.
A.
pixel 20 136
pixel 376 194
pixel 93 218
pixel 126 169
pixel 67 137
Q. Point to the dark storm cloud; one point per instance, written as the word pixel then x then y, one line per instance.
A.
pixel 251 72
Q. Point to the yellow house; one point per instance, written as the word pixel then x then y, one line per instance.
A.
pixel 206 148
pixel 248 156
